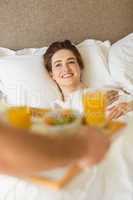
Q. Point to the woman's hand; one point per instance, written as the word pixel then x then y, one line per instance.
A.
pixel 112 96
pixel 119 110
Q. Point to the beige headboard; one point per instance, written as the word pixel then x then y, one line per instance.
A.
pixel 36 23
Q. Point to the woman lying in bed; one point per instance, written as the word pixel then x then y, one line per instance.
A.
pixel 64 64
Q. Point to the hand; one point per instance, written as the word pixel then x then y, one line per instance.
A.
pixel 97 146
pixel 112 96
pixel 24 154
pixel 118 110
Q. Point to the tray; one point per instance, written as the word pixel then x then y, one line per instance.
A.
pixel 59 183
pixel 111 129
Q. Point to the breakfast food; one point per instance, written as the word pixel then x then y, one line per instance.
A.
pixel 58 120
pixel 61 117
pixel 38 112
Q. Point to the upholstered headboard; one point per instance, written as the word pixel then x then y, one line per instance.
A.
pixel 36 23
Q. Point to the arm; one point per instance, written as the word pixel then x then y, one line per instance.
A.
pixel 23 154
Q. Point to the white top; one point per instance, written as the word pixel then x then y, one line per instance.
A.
pixel 74 101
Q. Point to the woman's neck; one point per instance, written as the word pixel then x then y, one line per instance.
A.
pixel 67 91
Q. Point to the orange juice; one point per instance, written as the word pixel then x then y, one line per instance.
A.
pixel 94 104
pixel 19 117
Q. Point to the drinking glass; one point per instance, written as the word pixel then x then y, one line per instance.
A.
pixel 94 104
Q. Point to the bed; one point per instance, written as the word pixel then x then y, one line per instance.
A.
pixel 35 24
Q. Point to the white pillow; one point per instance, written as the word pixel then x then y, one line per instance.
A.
pixel 94 54
pixel 121 62
pixel 24 79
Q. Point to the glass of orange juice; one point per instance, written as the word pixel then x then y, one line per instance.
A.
pixel 94 103
pixel 19 116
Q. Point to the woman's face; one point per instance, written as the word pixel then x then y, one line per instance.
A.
pixel 65 68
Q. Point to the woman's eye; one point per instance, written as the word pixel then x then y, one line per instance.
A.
pixel 72 62
pixel 58 65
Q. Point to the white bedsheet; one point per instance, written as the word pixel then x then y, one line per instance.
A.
pixel 111 180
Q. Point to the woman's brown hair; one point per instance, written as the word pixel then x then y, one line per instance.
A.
pixel 58 45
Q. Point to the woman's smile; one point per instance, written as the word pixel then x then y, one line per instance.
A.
pixel 68 75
